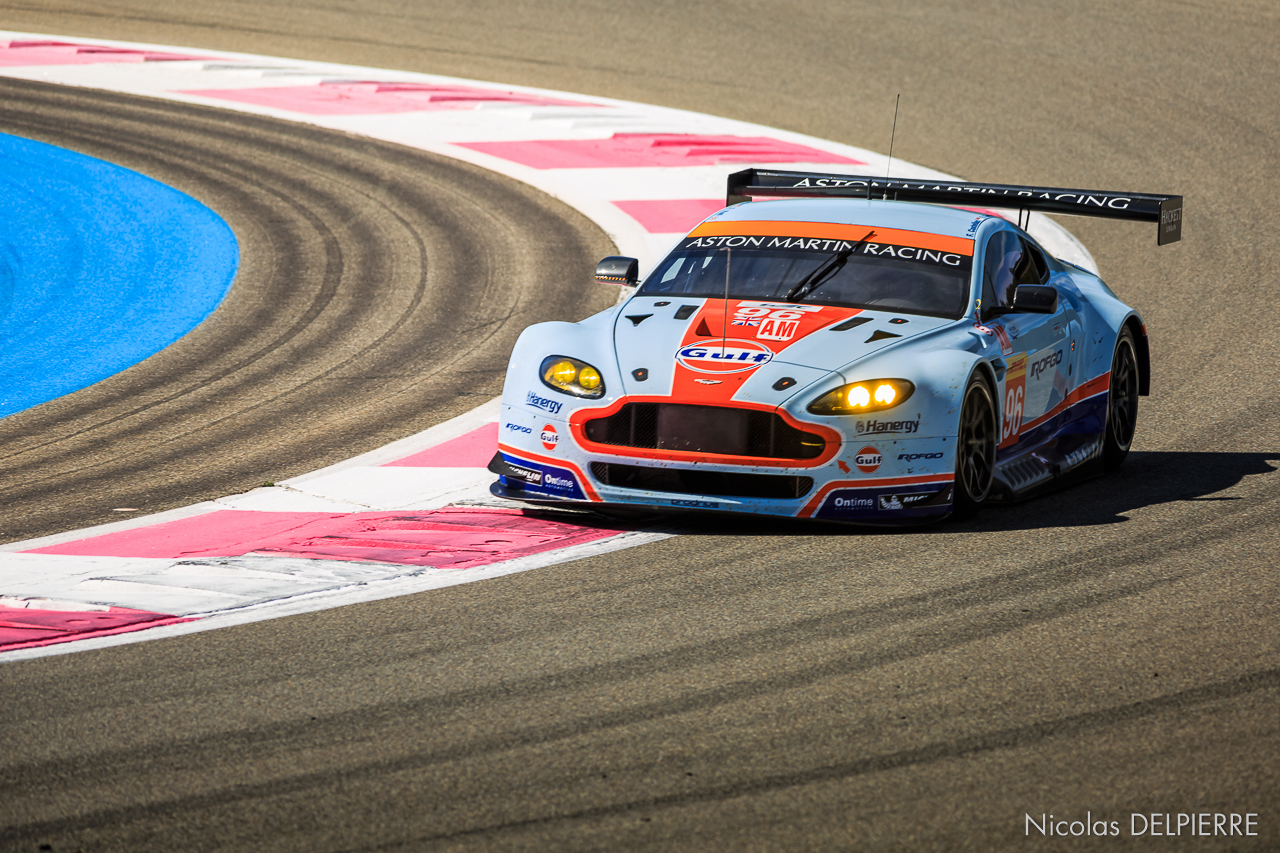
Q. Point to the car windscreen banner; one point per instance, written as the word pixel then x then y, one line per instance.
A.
pixel 819 237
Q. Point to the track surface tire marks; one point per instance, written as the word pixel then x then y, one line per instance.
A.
pixel 380 292
pixel 1106 649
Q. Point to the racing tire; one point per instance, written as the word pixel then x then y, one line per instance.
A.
pixel 1122 402
pixel 976 442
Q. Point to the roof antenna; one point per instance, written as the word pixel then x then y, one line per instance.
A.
pixel 724 320
pixel 892 134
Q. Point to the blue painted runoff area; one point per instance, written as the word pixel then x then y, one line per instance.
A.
pixel 100 267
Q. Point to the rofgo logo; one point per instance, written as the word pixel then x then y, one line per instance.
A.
pixel 868 460
pixel 1045 363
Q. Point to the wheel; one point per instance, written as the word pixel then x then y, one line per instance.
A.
pixel 1122 403
pixel 975 447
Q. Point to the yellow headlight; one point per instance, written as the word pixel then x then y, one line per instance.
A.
pixel 572 376
pixel 563 373
pixel 858 399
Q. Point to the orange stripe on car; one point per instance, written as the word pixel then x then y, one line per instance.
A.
pixel 1092 388
pixel 836 231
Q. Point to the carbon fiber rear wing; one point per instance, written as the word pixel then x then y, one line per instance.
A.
pixel 1165 210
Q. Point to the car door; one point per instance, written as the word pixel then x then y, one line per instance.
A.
pixel 1037 347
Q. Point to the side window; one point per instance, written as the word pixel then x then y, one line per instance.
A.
pixel 1032 269
pixel 1004 255
pixel 1009 262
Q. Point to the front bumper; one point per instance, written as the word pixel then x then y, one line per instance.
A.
pixel 882 480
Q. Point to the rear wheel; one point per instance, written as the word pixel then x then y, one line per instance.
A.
pixel 1122 402
pixel 975 447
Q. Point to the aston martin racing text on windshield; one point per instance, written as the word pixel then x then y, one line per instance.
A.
pixel 814 244
pixel 878 269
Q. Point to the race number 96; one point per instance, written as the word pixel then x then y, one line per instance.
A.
pixel 1015 389
pixel 1012 413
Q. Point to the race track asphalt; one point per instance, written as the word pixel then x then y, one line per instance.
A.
pixel 1105 650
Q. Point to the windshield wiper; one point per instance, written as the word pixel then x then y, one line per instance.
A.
pixel 824 273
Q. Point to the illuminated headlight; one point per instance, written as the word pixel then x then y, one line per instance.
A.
pixel 874 396
pixel 570 376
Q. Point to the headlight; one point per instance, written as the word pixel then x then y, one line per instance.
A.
pixel 860 397
pixel 571 376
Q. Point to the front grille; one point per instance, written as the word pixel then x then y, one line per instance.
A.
pixel 705 429
pixel 698 482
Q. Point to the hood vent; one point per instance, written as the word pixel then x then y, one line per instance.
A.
pixel 880 335
pixel 851 324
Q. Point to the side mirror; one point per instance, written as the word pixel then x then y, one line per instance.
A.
pixel 624 272
pixel 1035 299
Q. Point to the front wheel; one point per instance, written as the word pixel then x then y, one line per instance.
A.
pixel 1122 402
pixel 975 447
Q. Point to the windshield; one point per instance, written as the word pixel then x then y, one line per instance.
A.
pixel 858 273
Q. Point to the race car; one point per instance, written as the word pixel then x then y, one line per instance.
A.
pixel 854 349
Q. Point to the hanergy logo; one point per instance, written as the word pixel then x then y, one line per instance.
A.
pixel 552 406
pixel 734 356
pixel 1045 363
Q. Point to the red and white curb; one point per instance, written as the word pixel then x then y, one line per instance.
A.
pixel 412 516
pixel 415 515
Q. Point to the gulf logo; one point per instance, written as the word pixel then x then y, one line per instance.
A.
pixel 868 460
pixel 730 356
pixel 550 438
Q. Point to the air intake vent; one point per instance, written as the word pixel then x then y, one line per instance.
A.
pixel 700 482
pixel 705 429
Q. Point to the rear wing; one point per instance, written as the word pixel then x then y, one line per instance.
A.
pixel 1165 210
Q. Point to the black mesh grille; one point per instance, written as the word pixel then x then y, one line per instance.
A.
pixel 705 429
pixel 698 482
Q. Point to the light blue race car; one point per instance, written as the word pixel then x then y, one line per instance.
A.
pixel 861 351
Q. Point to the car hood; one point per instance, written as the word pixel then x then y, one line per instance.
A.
pixel 715 350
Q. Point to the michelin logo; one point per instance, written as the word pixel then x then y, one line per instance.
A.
pixel 552 406
pixel 890 502
pixel 532 476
